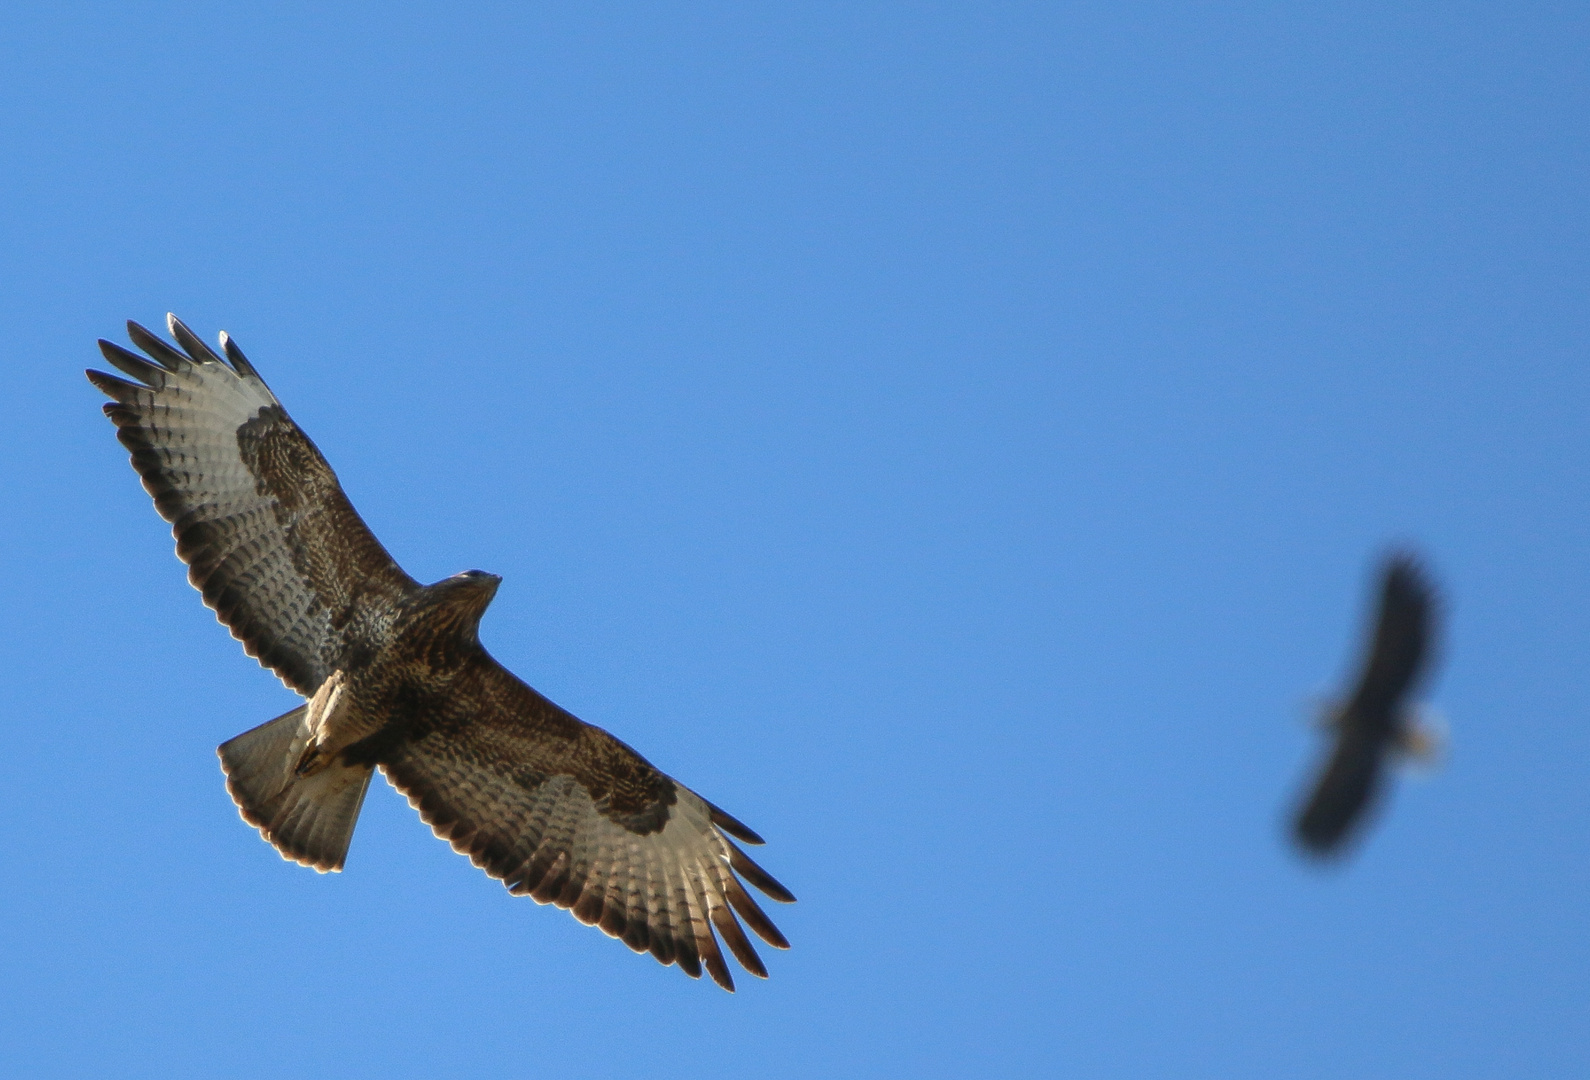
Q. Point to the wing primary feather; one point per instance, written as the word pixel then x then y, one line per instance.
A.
pixel 733 825
pixel 729 930
pixel 754 916
pixel 120 415
pixel 240 362
pixel 163 354
pixel 756 875
pixel 661 946
pixel 688 961
pixel 636 936
pixel 700 907
pixel 715 966
pixel 612 923
pixel 587 893
pixel 729 887
pixel 1347 789
pixel 684 938
pixel 152 375
pixel 631 913
pixel 534 870
pixel 119 390
pixel 611 916
pixel 587 906
pixel 659 917
pixel 557 876
pixel 191 342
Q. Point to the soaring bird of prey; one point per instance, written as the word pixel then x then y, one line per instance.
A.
pixel 395 678
pixel 1378 720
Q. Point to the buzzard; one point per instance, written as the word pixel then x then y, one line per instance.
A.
pixel 1377 719
pixel 395 678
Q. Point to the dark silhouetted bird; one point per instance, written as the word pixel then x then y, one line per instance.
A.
pixel 1378 720
pixel 396 679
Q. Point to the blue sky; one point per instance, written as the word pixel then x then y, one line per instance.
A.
pixel 952 437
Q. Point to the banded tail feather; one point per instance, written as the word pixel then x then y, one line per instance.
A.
pixel 309 819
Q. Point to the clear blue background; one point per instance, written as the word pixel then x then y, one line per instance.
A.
pixel 952 437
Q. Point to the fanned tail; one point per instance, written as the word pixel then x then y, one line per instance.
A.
pixel 309 819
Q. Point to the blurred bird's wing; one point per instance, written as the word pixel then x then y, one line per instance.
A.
pixel 1400 650
pixel 1341 797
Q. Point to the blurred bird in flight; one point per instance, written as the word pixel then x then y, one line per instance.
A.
pixel 1379 720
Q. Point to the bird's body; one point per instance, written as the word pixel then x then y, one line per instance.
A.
pixel 396 679
pixel 1377 719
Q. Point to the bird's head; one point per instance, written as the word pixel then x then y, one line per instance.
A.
pixel 464 597
pixel 472 583
pixel 444 618
pixel 476 579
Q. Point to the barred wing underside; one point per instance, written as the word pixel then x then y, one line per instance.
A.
pixel 662 891
pixel 269 537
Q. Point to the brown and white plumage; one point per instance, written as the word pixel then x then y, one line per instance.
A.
pixel 396 679
pixel 1377 719
pixel 269 538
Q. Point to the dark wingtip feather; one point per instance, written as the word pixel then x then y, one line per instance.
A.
pixel 1343 798
pixel 661 946
pixel 735 938
pixel 119 389
pixel 712 958
pixel 240 362
pixel 152 375
pixel 742 864
pixel 111 351
pixel 1403 573
pixel 613 921
pixel 190 342
pixel 720 972
pixel 755 917
pixel 636 934
pixel 1317 833
pixel 685 956
pixel 1406 575
pixel 733 826
pixel 161 351
pixel 589 906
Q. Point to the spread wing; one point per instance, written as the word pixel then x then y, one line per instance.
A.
pixel 563 812
pixel 269 538
pixel 1342 795
pixel 1400 649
